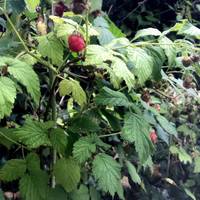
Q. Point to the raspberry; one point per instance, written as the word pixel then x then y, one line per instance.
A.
pixel 153 136
pixel 60 8
pixel 186 61
pixel 76 43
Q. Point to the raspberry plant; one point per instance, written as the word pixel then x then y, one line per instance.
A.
pixel 88 114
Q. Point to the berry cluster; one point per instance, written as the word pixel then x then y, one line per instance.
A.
pixel 188 60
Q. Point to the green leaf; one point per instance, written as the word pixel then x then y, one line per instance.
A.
pixel 96 5
pixel 57 193
pixel 64 30
pixel 107 173
pixel 49 46
pixel 67 173
pixel 182 154
pixel 32 4
pixel 189 193
pixel 7 96
pixel 96 55
pixel 66 87
pixel 94 194
pixel 122 72
pixel 58 140
pixel 84 123
pixel 13 170
pixel 169 48
pixel 34 186
pixel 78 93
pixel 7 137
pixel 186 28
pixel 136 130
pixel 83 149
pixel 33 162
pixel 112 119
pixel 114 29
pixel 162 134
pixel 81 194
pixel 26 76
pixel 166 125
pixel 197 164
pixel 147 32
pixel 33 134
pixel 1 195
pixel 159 58
pixel 133 173
pixel 142 63
pixel 102 26
pixel 111 98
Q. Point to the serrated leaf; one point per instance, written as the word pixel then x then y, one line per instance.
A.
pixel 147 32
pixel 13 170
pixel 114 29
pixel 24 73
pixel 57 193
pixel 112 119
pixel 7 137
pixel 186 28
pixel 197 164
pixel 169 48
pixel 34 186
pixel 49 46
pixel 112 98
pixel 33 162
pixel 162 134
pixel 107 173
pixel 96 5
pixel 32 4
pixel 96 55
pixel 166 125
pixel 83 149
pixel 67 173
pixel 122 72
pixel 78 93
pixel 84 123
pixel 136 130
pixel 142 63
pixel 58 140
pixel 66 87
pixel 33 134
pixel 81 194
pixel 7 96
pixel 94 194
pixel 133 173
pixel 64 30
pixel 182 154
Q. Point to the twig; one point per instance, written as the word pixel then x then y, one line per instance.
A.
pixel 109 135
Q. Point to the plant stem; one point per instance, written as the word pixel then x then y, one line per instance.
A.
pixel 52 100
pixel 109 135
pixel 48 65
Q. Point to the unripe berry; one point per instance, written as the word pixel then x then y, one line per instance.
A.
pixel 76 43
pixel 153 136
pixel 195 58
pixel 186 61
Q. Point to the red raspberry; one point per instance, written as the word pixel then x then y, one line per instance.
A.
pixel 153 136
pixel 76 43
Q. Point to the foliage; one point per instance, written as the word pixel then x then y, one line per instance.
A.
pixel 79 124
